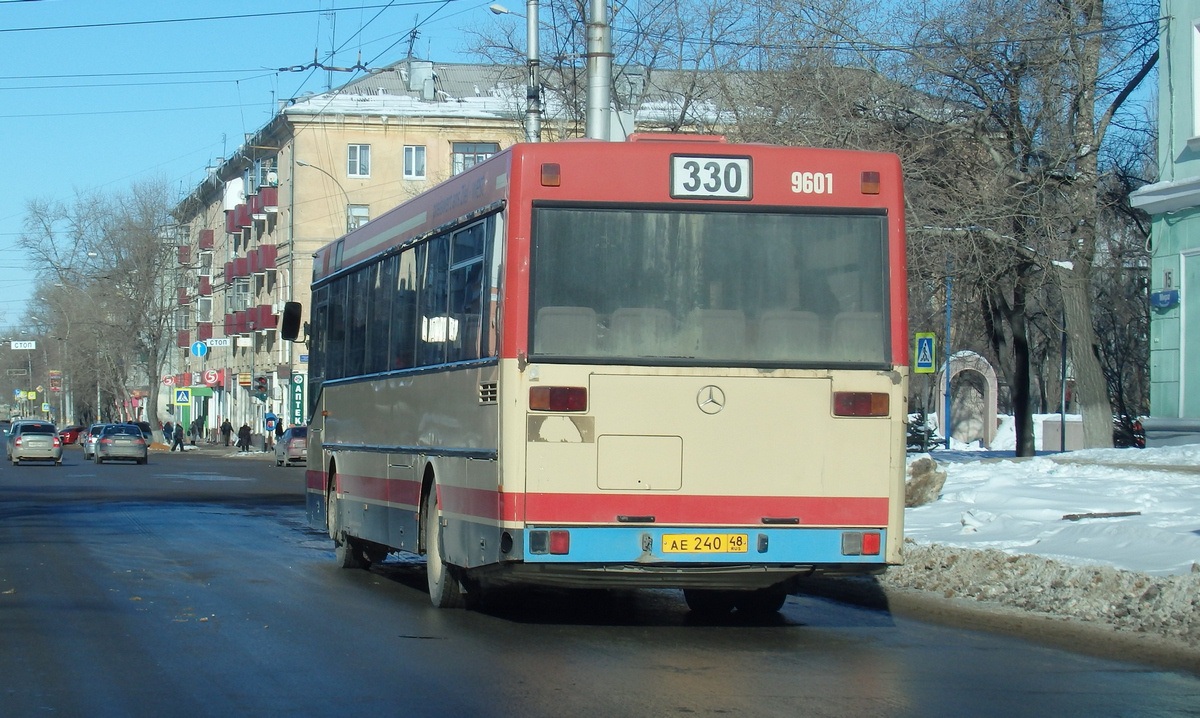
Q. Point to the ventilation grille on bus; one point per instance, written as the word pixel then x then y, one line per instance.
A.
pixel 488 393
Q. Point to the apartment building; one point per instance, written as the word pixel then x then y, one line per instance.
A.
pixel 324 164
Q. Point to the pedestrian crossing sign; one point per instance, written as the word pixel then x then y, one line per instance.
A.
pixel 183 397
pixel 924 353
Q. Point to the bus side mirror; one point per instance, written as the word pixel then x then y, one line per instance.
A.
pixel 290 326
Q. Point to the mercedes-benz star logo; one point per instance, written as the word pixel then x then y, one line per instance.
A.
pixel 711 399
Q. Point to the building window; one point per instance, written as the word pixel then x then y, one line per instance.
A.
pixel 468 154
pixel 205 266
pixel 358 161
pixel 414 162
pixel 239 300
pixel 356 216
pixel 203 310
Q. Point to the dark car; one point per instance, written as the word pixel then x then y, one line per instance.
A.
pixel 34 441
pixel 145 427
pixel 292 446
pixel 70 434
pixel 121 441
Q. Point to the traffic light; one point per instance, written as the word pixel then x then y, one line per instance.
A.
pixel 259 388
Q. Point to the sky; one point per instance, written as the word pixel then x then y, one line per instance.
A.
pixel 1018 505
pixel 102 95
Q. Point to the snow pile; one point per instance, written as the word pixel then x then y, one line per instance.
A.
pixel 1168 606
pixel 1102 536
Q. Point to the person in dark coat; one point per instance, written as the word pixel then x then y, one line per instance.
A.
pixel 226 431
pixel 178 437
pixel 244 437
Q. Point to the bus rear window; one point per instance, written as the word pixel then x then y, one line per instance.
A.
pixel 709 287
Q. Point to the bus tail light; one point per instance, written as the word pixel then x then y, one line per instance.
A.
pixel 869 183
pixel 860 403
pixel 551 174
pixel 861 543
pixel 557 398
pixel 556 542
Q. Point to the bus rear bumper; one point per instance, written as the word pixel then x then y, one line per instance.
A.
pixel 674 557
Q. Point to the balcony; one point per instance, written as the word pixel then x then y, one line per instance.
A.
pixel 241 216
pixel 204 330
pixel 270 198
pixel 205 286
pixel 266 256
pixel 207 240
pixel 183 338
pixel 185 254
pixel 184 299
pixel 255 204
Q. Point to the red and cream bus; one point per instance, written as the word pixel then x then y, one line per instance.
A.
pixel 666 362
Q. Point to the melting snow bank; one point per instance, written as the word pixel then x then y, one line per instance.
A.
pixel 1166 606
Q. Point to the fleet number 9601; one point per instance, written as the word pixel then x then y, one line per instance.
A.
pixel 812 182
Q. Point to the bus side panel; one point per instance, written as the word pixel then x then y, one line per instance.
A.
pixel 386 436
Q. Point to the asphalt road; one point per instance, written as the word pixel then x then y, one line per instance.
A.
pixel 193 587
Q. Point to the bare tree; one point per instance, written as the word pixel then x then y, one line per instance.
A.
pixel 1037 85
pixel 106 261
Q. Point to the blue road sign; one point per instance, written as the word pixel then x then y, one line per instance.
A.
pixel 924 354
pixel 199 349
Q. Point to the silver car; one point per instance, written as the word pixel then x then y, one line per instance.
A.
pixel 121 441
pixel 34 441
pixel 292 446
pixel 87 440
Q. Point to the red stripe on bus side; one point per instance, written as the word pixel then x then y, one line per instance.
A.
pixel 606 508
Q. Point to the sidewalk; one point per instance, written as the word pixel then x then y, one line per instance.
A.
pixel 216 450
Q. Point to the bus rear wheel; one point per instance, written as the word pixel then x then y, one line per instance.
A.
pixel 762 602
pixel 709 602
pixel 444 589
pixel 346 550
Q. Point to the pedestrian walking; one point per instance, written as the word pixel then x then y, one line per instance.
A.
pixel 178 437
pixel 226 431
pixel 244 437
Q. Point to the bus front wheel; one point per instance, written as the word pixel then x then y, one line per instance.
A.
pixel 444 589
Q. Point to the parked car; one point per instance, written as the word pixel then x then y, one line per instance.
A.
pixel 121 441
pixel 88 440
pixel 146 430
pixel 34 440
pixel 70 434
pixel 292 446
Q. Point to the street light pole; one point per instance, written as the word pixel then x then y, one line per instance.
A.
pixel 345 194
pixel 533 87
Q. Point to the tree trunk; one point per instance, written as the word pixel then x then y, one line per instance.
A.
pixel 1091 389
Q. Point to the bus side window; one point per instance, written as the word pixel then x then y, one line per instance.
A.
pixel 436 328
pixel 404 312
